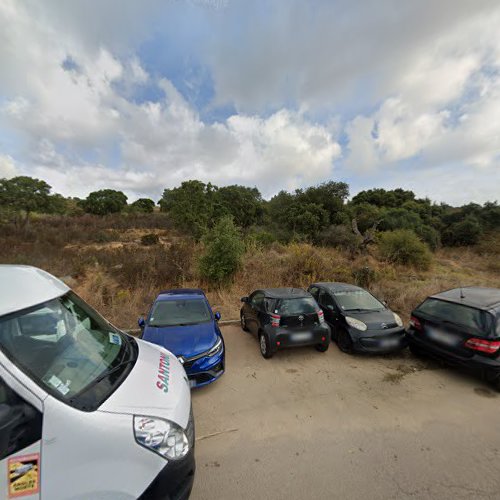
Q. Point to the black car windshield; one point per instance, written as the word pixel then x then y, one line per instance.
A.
pixel 357 300
pixel 67 348
pixel 179 312
pixel 292 307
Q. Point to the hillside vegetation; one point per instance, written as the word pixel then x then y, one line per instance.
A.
pixel 229 241
pixel 106 260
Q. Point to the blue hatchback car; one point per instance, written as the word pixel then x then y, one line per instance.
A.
pixel 182 322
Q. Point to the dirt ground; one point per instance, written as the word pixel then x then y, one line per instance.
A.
pixel 309 425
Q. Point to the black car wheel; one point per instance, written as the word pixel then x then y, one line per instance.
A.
pixel 322 347
pixel 416 351
pixel 244 326
pixel 265 348
pixel 344 341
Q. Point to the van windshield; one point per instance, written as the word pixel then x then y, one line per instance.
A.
pixel 68 349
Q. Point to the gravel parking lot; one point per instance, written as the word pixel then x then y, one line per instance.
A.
pixel 307 425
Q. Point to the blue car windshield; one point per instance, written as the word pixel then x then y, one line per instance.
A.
pixel 179 312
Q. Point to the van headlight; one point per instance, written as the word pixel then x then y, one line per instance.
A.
pixel 356 323
pixel 217 347
pixel 162 436
pixel 399 321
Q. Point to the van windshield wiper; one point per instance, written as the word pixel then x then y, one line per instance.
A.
pixel 107 373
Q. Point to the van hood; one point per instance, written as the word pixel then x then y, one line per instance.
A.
pixel 187 341
pixel 157 386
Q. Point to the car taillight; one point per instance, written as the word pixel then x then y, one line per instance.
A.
pixel 321 316
pixel 275 320
pixel 415 323
pixel 483 345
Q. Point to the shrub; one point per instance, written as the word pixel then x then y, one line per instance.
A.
pixel 340 236
pixel 224 249
pixel 150 239
pixel 403 247
pixel 363 276
pixel 463 233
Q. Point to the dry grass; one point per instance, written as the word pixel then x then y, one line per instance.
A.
pixel 106 264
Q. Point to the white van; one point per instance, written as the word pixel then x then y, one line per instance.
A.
pixel 86 411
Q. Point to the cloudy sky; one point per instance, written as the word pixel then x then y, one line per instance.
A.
pixel 141 95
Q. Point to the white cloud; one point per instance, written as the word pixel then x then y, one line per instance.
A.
pixel 8 168
pixel 420 86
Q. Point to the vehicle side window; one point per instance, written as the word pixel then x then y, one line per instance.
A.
pixel 269 305
pixel 325 299
pixel 257 299
pixel 20 423
pixel 314 291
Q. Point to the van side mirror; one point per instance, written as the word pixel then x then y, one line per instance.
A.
pixel 141 322
pixel 244 299
pixel 217 316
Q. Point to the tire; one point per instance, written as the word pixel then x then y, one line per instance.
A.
pixel 322 347
pixel 494 379
pixel 265 348
pixel 244 326
pixel 418 353
pixel 344 342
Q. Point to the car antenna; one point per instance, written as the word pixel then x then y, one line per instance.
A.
pixel 462 296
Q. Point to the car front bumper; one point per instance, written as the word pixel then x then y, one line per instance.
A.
pixel 174 482
pixel 379 342
pixel 205 370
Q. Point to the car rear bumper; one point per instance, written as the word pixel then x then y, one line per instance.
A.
pixel 382 342
pixel 476 362
pixel 283 338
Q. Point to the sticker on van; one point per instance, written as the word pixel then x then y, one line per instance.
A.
pixel 23 475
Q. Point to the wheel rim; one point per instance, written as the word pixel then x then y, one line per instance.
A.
pixel 263 346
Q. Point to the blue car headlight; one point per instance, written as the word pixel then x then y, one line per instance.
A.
pixel 217 347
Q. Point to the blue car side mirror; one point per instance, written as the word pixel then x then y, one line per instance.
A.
pixel 141 322
pixel 217 316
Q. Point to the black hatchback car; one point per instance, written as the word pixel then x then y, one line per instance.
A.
pixel 284 317
pixel 359 321
pixel 460 326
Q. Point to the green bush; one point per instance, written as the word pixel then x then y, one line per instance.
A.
pixel 224 248
pixel 404 247
pixel 464 233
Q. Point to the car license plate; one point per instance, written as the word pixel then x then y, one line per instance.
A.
pixel 444 338
pixel 301 337
pixel 389 343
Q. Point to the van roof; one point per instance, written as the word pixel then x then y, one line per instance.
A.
pixel 25 286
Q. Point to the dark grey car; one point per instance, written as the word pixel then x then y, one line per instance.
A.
pixel 284 317
pixel 359 321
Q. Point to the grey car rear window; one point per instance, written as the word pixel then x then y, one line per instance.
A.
pixel 475 319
